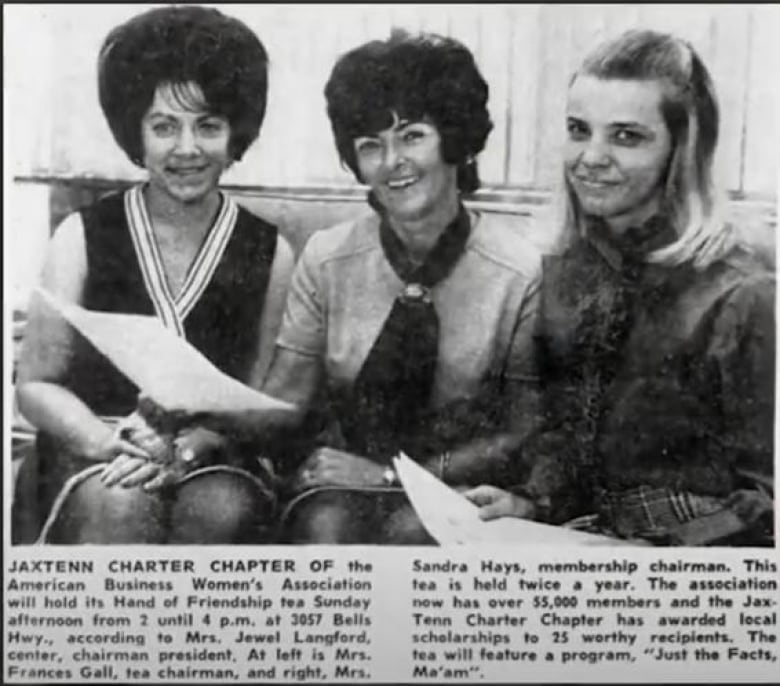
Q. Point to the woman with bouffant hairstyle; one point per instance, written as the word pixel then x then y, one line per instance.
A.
pixel 183 89
pixel 415 318
pixel 431 77
pixel 178 46
pixel 656 328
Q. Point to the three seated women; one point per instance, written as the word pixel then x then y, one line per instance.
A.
pixel 630 374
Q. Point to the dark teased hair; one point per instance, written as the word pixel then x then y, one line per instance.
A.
pixel 413 76
pixel 180 44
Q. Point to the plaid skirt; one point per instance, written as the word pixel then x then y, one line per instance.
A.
pixel 647 513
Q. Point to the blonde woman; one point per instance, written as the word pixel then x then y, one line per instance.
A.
pixel 656 329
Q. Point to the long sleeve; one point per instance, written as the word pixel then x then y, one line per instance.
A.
pixel 743 345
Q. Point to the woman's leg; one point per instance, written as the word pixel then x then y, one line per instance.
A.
pixel 28 510
pixel 43 472
pixel 402 526
pixel 331 516
pixel 94 513
pixel 221 505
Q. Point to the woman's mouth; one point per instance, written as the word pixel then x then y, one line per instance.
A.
pixel 186 171
pixel 595 184
pixel 402 183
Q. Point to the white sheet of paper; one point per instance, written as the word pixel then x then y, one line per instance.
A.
pixel 453 520
pixel 164 366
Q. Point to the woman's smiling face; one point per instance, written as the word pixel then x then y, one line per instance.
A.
pixel 618 148
pixel 404 167
pixel 186 147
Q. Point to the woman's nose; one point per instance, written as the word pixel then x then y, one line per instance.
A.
pixel 186 141
pixel 392 155
pixel 595 153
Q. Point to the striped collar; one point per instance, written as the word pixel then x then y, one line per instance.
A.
pixel 173 311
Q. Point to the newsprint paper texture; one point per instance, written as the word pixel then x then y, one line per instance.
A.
pixel 528 604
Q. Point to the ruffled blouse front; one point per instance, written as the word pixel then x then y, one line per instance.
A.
pixel 653 376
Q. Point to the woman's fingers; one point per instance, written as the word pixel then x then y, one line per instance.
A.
pixel 121 467
pixel 141 475
pixel 164 478
pixel 128 448
pixel 502 507
pixel 494 502
pixel 483 495
pixel 507 505
pixel 108 477
pixel 309 478
pixel 750 505
pixel 330 467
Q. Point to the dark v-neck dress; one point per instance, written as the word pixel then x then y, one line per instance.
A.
pixel 223 324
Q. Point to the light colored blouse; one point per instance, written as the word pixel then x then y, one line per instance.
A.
pixel 343 289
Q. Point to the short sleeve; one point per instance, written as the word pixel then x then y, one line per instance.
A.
pixel 522 363
pixel 303 328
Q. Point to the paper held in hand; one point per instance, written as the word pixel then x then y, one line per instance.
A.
pixel 451 519
pixel 164 366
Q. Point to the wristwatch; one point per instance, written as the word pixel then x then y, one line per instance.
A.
pixel 389 477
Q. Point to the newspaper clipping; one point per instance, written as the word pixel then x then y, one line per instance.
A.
pixel 390 343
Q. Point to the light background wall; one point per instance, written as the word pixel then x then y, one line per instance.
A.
pixel 526 53
pixel 54 129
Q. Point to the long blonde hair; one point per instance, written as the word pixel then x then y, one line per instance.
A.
pixel 690 110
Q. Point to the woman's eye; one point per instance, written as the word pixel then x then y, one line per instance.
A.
pixel 627 137
pixel 367 146
pixel 163 128
pixel 412 136
pixel 577 130
pixel 211 127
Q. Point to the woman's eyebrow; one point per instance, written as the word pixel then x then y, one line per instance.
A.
pixel 628 125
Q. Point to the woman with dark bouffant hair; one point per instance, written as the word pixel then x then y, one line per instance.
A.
pixel 656 327
pixel 414 318
pixel 184 92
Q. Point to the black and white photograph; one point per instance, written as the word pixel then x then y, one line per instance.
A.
pixel 394 279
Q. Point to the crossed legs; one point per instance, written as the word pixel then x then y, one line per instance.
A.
pixel 210 508
pixel 342 515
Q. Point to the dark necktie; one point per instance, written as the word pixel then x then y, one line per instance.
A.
pixel 393 388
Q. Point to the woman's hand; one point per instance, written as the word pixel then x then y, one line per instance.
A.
pixel 494 502
pixel 193 448
pixel 109 445
pixel 128 470
pixel 330 467
pixel 750 505
pixel 144 452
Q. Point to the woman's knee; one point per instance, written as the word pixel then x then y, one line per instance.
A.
pixel 221 507
pixel 403 527
pixel 94 513
pixel 326 517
